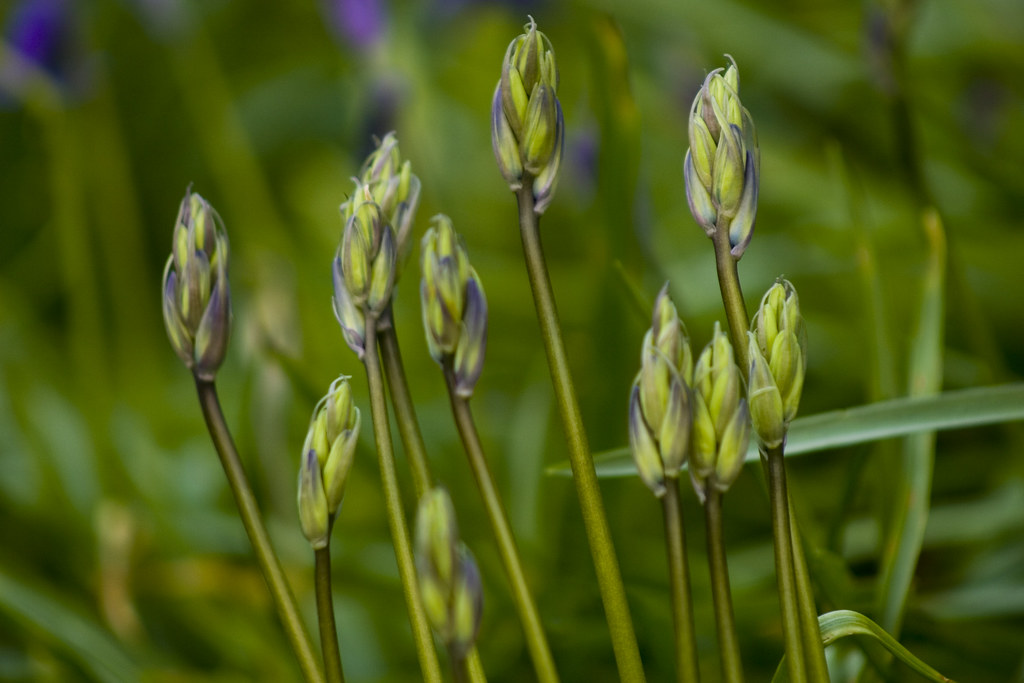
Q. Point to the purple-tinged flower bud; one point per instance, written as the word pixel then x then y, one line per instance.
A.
pixel 332 437
pixel 721 168
pixel 196 292
pixel 348 315
pixel 527 127
pixel 780 336
pixel 312 501
pixel 396 189
pixel 721 428
pixel 660 413
pixel 454 305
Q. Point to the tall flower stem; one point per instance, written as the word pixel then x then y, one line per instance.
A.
pixel 460 667
pixel 817 666
pixel 325 615
pixel 728 643
pixel 687 669
pixel 401 401
pixel 429 664
pixel 284 601
pixel 536 639
pixel 779 501
pixel 732 297
pixel 606 565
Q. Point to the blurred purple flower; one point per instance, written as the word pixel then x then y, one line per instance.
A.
pixel 44 38
pixel 359 22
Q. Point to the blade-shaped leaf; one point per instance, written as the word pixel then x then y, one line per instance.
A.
pixel 842 623
pixel 870 422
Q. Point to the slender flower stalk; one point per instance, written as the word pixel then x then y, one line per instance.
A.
pixel 325 616
pixel 660 419
pixel 429 665
pixel 527 134
pixel 455 321
pixel 197 316
pixel 728 642
pixel 721 431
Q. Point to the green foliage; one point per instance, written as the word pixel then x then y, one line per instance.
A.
pixel 121 555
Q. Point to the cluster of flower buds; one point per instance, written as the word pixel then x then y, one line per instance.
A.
pixel 396 190
pixel 454 305
pixel 721 421
pixel 364 267
pixel 778 360
pixel 449 580
pixel 722 164
pixel 327 457
pixel 660 410
pixel 196 295
pixel 527 129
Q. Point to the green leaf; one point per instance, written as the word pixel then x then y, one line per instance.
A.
pixel 866 423
pixel 842 623
pixel 75 635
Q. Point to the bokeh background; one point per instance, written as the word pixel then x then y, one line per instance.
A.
pixel 121 557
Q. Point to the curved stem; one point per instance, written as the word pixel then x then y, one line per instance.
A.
pixel 325 615
pixel 814 648
pixel 687 669
pixel 401 400
pixel 606 565
pixel 429 665
pixel 728 643
pixel 284 601
pixel 536 640
pixel 732 297
pixel 778 498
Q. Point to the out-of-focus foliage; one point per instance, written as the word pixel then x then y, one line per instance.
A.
pixel 121 557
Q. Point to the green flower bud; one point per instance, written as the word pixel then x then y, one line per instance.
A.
pixel 312 500
pixel 721 427
pixel 454 306
pixel 766 411
pixel 396 189
pixel 660 415
pixel 781 337
pixel 721 168
pixel 364 266
pixel 196 292
pixel 332 436
pixel 447 575
pixel 527 127
pixel 467 604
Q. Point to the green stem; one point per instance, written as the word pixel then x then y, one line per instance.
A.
pixel 325 615
pixel 536 640
pixel 778 499
pixel 474 667
pixel 732 297
pixel 687 669
pixel 284 601
pixel 460 667
pixel 728 643
pixel 429 665
pixel 401 400
pixel 814 649
pixel 606 565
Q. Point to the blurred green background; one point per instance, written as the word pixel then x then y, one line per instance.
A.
pixel 121 557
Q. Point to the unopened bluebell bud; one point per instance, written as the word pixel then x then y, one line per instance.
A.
pixel 396 189
pixel 453 304
pixel 312 501
pixel 348 314
pixel 196 292
pixel 721 421
pixel 722 165
pixel 527 127
pixel 447 575
pixel 660 414
pixel 333 434
pixel 778 329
